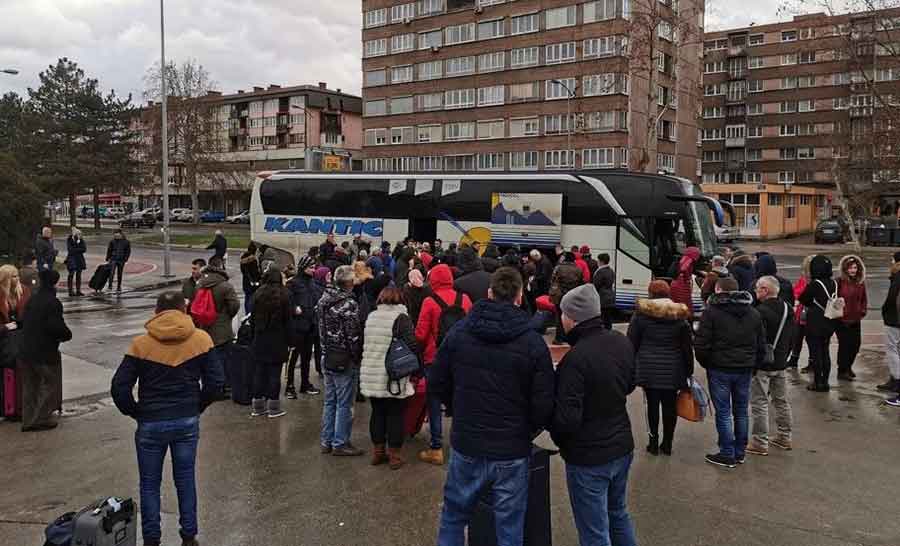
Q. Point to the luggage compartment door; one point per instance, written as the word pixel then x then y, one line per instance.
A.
pixel 632 264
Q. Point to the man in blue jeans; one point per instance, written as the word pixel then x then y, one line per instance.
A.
pixel 591 424
pixel 494 372
pixel 176 381
pixel 730 343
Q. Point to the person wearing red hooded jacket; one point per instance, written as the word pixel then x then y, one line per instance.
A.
pixel 582 265
pixel 851 287
pixel 682 286
pixel 441 281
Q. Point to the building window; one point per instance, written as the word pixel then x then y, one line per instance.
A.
pixel 491 129
pixel 789 58
pixel 431 163
pixel 371 78
pixel 524 56
pixel 402 135
pixel 558 124
pixel 560 17
pixel 665 31
pixel 789 36
pixel 524 127
pixel 604 84
pixel 459 98
pixel 458 34
pixel 490 162
pixel 787 107
pixel 491 96
pixel 524 24
pixel 787 130
pixel 490 29
pixel 713 67
pixel 807 57
pixel 523 161
pixel 401 105
pixel 463 130
pixel 806 129
pixel 713 178
pixel 430 133
pixel 806 152
pixel 402 74
pixel 524 92
pixel 376 107
pixel 756 62
pixel 460 66
pixel 602 158
pixel 376 137
pixel 403 12
pixel 755 86
pixel 465 162
pixel 375 18
pixel 430 70
pixel 787 153
pixel 808 105
pixel 712 90
pixel 559 159
pixel 559 89
pixel 712 156
pixel 375 48
pixel 754 154
pixel 403 42
pixel 786 177
pixel 806 81
pixel 610 120
pixel 756 39
pixel 754 109
pixel 842 78
pixel 559 53
pixel 602 10
pixel 775 199
pixel 432 38
pixel 429 7
pixel 606 46
pixel 712 112
pixel 712 134
pixel 430 102
pixel 491 62
pixel 805 199
pixel 665 162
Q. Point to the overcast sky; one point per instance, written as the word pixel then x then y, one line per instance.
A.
pixel 241 42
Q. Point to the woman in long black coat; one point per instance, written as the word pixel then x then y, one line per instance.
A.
pixel 271 322
pixel 664 359
pixel 305 294
pixel 75 262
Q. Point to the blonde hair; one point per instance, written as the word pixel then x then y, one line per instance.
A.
pixel 76 232
pixel 10 288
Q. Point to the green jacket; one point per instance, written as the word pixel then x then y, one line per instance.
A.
pixel 227 304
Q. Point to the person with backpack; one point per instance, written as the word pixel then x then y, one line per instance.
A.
pixel 387 323
pixel 851 287
pixel 271 326
pixel 822 309
pixel 214 306
pixel 605 282
pixel 441 309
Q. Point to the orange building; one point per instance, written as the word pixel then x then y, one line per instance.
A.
pixel 774 211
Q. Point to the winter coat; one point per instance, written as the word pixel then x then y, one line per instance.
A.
pixel 118 251
pixel 815 298
pixel 708 288
pixel 605 283
pixel 227 304
pixel 566 276
pixel 491 259
pixel 682 288
pixel 376 265
pixel 75 249
pixel 543 276
pixel 305 294
pixel 890 309
pixel 340 328
pixel 441 280
pixel 272 337
pixel 401 270
pixel 495 373
pixel 250 272
pixel 171 366
pixel 799 287
pixel 731 334
pixel 585 270
pixel 415 297
pixel 772 311
pixel 45 254
pixel 590 422
pixel 373 378
pixel 219 246
pixel 856 300
pixel 326 250
pixel 765 265
pixel 474 284
pixel 663 344
pixel 189 289
pixel 741 268
pixel 44 327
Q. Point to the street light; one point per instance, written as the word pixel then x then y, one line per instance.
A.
pixel 570 94
pixel 11 71
pixel 164 175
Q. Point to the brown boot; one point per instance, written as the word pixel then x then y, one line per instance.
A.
pixel 432 456
pixel 395 458
pixel 379 456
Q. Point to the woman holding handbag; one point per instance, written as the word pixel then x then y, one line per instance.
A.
pixel 388 322
pixel 664 358
pixel 75 262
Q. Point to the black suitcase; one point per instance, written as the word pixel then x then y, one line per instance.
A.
pixel 100 277
pixel 538 530
pixel 239 373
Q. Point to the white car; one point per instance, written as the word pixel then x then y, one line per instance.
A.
pixel 727 234
pixel 181 215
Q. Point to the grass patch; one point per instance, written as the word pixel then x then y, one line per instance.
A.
pixel 196 240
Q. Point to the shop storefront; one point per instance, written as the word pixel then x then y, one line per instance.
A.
pixel 773 211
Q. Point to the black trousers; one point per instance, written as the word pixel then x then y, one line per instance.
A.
pixel 797 341
pixel 114 268
pixel 307 344
pixel 849 339
pixel 820 357
pixel 607 314
pixel 665 398
pixel 267 380
pixel 386 422
pixel 76 276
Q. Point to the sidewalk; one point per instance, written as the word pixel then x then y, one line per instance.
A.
pixel 83 379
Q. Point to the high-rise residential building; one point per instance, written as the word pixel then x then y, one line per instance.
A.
pixel 518 85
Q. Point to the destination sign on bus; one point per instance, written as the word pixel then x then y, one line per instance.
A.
pixel 324 226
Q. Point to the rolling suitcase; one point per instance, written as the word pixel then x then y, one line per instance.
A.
pixel 538 531
pixel 109 522
pixel 239 373
pixel 100 278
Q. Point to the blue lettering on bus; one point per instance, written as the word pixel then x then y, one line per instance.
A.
pixel 340 226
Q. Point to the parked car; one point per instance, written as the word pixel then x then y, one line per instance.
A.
pixel 181 215
pixel 727 234
pixel 113 212
pixel 142 218
pixel 211 216
pixel 829 231
pixel 242 217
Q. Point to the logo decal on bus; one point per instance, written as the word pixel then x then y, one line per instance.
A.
pixel 372 228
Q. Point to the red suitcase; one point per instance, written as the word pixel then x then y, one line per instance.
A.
pixel 416 410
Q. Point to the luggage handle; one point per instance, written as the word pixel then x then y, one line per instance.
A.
pixel 124 513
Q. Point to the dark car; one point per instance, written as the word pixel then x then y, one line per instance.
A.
pixel 144 218
pixel 829 231
pixel 212 216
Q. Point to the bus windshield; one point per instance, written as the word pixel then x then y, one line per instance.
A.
pixel 699 228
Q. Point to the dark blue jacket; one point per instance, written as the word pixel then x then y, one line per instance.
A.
pixel 75 254
pixel 765 265
pixel 496 374
pixel 741 268
pixel 305 294
pixel 171 365
pixel 118 251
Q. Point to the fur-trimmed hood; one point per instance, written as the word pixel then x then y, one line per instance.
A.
pixel 663 308
pixel 844 264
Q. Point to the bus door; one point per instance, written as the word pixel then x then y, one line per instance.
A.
pixel 632 263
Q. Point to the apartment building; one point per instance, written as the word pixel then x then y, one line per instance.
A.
pixel 300 127
pixel 517 85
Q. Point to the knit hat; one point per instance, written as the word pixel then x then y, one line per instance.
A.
pixel 305 263
pixel 581 303
pixel 584 250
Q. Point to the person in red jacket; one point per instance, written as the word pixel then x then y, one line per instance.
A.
pixel 582 265
pixel 682 288
pixel 441 280
pixel 851 287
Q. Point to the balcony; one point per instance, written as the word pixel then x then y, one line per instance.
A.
pixel 735 98
pixel 332 140
pixel 735 165
pixel 736 142
pixel 737 51
pixel 282 128
pixel 237 131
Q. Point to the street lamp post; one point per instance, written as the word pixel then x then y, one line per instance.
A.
pixel 11 71
pixel 164 175
pixel 569 94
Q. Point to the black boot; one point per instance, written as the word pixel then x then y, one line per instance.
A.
pixel 653 446
pixel 888 386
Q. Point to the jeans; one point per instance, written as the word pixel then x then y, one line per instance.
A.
pixel 435 418
pixel 217 357
pixel 306 345
pixel 766 385
pixel 153 439
pixel 820 357
pixel 892 350
pixel 730 394
pixel 598 497
pixel 337 420
pixel 114 268
pixel 386 422
pixel 266 380
pixel 849 340
pixel 467 480
pixel 248 301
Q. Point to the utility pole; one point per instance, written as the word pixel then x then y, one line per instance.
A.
pixel 167 258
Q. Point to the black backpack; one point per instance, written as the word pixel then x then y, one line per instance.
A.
pixel 450 315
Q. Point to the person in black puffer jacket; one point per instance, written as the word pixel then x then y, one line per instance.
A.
pixel 491 258
pixel 741 268
pixel 819 328
pixel 765 265
pixel 271 323
pixel 474 281
pixel 662 339
pixel 305 294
